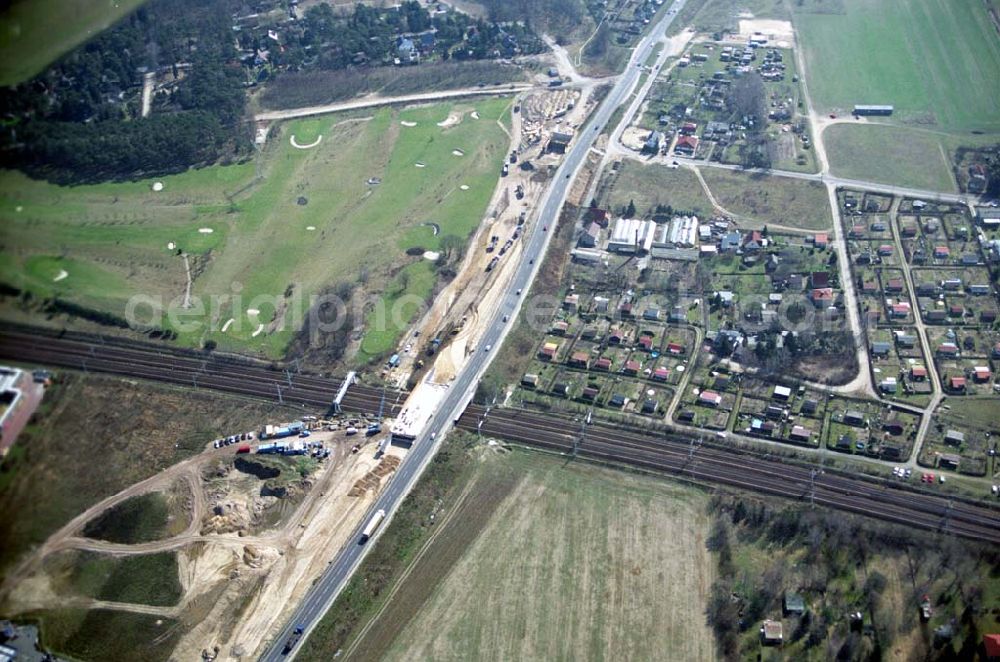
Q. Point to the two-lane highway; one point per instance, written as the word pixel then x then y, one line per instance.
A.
pixel 325 590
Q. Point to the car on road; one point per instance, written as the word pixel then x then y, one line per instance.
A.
pixel 545 228
pixel 531 261
pixel 504 318
pixel 489 347
pixel 519 290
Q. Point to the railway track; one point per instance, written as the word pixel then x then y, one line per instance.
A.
pixel 705 464
pixel 208 371
pixel 665 452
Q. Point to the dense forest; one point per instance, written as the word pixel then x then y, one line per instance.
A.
pixel 82 120
pixel 70 124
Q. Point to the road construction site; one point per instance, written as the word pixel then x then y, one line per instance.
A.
pixel 256 529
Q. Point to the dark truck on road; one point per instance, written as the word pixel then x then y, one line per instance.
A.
pixel 293 640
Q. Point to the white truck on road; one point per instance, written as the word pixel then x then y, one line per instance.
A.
pixel 372 525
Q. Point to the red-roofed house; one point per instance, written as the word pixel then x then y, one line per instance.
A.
pixel 901 309
pixel 941 252
pixel 858 231
pixel 948 349
pixel 686 145
pixel 956 383
pixel 981 374
pixel 661 374
pixel 676 348
pixel 885 250
pixel 991 647
pixel 579 359
pixel 603 364
pixel 645 342
pixel 822 296
pixel 753 241
pixel 894 285
pixel 688 128
pixel 820 240
pixel 710 398
pixel 632 367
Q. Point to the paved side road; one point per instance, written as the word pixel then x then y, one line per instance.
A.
pixel 325 590
pixel 371 101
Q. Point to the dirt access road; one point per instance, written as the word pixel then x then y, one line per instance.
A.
pixel 254 579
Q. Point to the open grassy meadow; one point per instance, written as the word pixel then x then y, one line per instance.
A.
pixel 891 155
pixel 936 61
pixel 764 199
pixel 574 562
pixel 264 237
pixel 148 579
pixel 33 33
pixel 652 185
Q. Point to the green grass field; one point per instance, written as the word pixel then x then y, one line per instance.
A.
pixel 36 32
pixel 652 185
pixel 106 635
pixel 142 518
pixel 936 61
pixel 892 155
pixel 147 579
pixel 764 199
pixel 310 222
pixel 575 563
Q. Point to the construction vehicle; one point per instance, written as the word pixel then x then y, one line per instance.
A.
pixel 519 191
pixel 382 446
pixel 372 525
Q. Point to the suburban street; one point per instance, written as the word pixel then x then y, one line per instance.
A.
pixel 324 592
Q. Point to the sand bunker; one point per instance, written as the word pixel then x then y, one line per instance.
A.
pixel 260 329
pixel 420 164
pixel 229 322
pixel 474 115
pixel 406 123
pixel 253 312
pixel 59 276
pixel 464 187
pixel 206 230
pixel 19 209
pixel 310 227
pixel 157 186
pixel 457 152
pixel 299 145
pixel 431 255
pixel 171 246
pixel 451 120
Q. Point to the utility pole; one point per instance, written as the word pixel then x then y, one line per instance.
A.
pixel 280 399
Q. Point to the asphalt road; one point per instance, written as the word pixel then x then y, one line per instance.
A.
pixel 325 590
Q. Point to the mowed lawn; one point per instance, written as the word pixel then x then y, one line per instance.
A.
pixel 936 61
pixel 576 563
pixel 260 248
